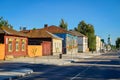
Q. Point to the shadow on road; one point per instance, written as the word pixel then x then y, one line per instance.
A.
pixel 54 72
pixel 107 62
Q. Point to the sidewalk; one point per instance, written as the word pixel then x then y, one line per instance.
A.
pixel 54 60
pixel 8 72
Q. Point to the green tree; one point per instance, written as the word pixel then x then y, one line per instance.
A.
pixel 34 28
pixel 118 42
pixel 103 41
pixel 82 27
pixel 5 23
pixel 88 30
pixel 63 24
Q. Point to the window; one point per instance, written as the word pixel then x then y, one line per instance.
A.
pixel 9 45
pixel 17 45
pixel 23 45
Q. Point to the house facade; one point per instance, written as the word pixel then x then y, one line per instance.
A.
pixel 72 43
pixel 98 44
pixel 13 43
pixel 82 41
pixel 69 40
pixel 51 44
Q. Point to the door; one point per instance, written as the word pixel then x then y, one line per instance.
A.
pixel 46 48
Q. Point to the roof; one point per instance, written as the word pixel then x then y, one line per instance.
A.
pixel 40 33
pixel 76 33
pixel 10 31
pixel 1 31
pixel 55 29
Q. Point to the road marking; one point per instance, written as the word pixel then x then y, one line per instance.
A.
pixel 82 72
pixel 92 65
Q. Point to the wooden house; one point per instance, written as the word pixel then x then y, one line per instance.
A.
pixel 12 43
pixel 82 41
pixel 68 38
pixel 51 44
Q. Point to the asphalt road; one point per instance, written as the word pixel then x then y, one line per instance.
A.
pixel 103 67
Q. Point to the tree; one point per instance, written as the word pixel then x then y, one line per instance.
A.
pixel 88 30
pixel 63 24
pixel 103 41
pixel 34 28
pixel 82 27
pixel 5 23
pixel 118 42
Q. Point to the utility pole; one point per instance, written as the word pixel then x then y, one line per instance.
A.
pixel 109 43
pixel 109 40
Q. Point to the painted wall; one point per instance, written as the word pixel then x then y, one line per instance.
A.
pixel 34 50
pixel 46 48
pixel 72 44
pixel 69 43
pixel 63 35
pixel 2 51
pixel 15 46
pixel 82 44
pixel 75 45
pixel 98 43
pixel 57 46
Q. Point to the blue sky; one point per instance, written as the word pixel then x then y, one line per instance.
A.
pixel 103 14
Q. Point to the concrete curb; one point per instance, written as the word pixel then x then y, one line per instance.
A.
pixel 14 74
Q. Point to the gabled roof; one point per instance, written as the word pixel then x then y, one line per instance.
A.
pixel 40 33
pixel 55 29
pixel 10 31
pixel 76 33
pixel 1 31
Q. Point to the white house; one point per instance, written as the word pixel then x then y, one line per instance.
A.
pixel 98 44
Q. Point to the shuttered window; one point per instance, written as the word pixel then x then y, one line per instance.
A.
pixel 23 45
pixel 17 45
pixel 9 45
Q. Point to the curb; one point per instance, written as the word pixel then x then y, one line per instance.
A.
pixel 15 74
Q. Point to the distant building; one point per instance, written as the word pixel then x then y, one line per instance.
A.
pixel 98 44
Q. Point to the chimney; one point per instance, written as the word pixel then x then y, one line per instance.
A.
pixel 45 25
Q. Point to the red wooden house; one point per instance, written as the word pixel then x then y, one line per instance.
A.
pixel 13 43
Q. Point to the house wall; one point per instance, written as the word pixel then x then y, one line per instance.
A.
pixel 34 50
pixel 15 46
pixel 69 43
pixel 72 44
pixel 63 36
pixel 75 44
pixel 57 46
pixel 45 42
pixel 98 44
pixel 82 44
pixel 2 51
pixel 46 48
pixel 85 44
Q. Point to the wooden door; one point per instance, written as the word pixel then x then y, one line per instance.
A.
pixel 46 48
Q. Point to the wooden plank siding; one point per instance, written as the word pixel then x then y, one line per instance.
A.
pixel 22 42
pixel 2 51
pixel 46 48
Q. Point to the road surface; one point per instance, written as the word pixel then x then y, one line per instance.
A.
pixel 103 67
